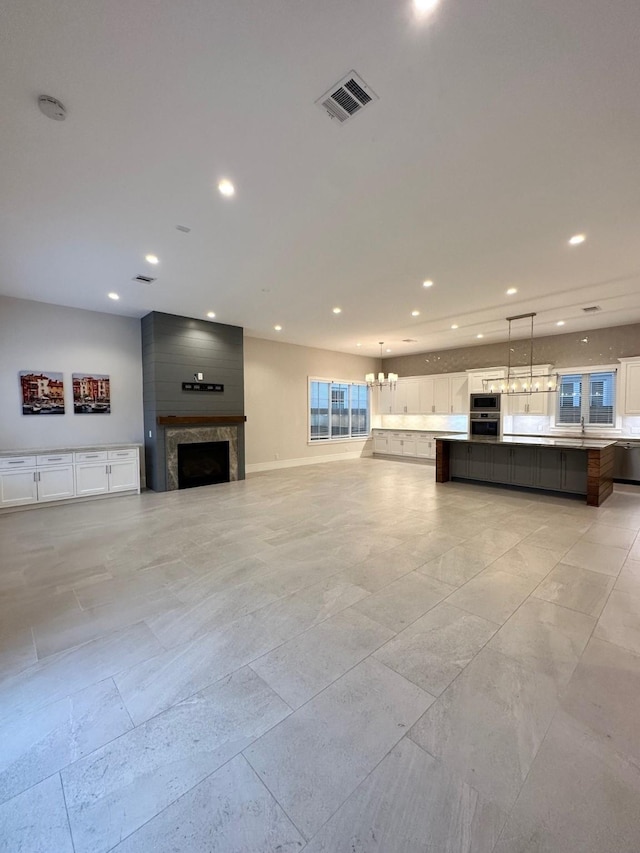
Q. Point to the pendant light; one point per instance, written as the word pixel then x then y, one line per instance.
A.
pixel 517 383
pixel 381 381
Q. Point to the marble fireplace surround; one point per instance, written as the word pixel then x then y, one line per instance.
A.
pixel 193 433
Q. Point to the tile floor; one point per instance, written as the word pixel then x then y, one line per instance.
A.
pixel 344 658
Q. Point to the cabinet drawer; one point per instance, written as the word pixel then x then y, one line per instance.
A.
pixel 87 456
pixel 13 462
pixel 55 459
pixel 123 454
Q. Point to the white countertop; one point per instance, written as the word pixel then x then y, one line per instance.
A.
pixel 43 451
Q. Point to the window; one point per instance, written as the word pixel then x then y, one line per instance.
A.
pixel 587 395
pixel 338 410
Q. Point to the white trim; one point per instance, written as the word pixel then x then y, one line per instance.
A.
pixel 256 467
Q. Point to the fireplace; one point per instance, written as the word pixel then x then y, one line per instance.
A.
pixel 203 463
pixel 186 435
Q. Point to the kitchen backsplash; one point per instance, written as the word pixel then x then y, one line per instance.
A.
pixel 439 423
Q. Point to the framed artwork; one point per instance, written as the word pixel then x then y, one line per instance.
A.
pixel 42 393
pixel 91 394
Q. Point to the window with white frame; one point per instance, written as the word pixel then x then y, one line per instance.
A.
pixel 588 396
pixel 338 410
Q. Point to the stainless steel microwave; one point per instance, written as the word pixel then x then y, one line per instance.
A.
pixel 484 402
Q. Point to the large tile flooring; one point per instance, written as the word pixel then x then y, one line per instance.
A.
pixel 344 658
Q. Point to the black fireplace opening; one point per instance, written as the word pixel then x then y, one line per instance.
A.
pixel 203 464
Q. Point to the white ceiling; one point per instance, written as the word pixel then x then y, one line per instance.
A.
pixel 503 127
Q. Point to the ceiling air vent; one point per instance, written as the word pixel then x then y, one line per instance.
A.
pixel 346 98
pixel 591 309
pixel 144 279
pixel 409 341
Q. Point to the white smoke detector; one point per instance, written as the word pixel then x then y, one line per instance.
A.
pixel 52 108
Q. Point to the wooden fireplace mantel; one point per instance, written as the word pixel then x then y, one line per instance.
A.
pixel 199 420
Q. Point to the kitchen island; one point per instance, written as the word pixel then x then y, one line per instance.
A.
pixel 576 466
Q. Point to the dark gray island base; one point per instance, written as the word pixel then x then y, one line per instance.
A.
pixel 573 466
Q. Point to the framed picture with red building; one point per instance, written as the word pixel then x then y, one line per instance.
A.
pixel 91 394
pixel 42 393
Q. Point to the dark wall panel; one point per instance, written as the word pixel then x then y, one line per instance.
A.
pixel 173 350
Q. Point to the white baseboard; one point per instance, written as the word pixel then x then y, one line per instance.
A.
pixel 256 467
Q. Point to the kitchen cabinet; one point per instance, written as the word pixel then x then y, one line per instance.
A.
pixel 415 445
pixel 409 444
pixel 478 459
pixel 426 447
pixel 97 478
pixel 574 472
pixel 395 444
pixel 477 378
pixel 523 465
pixel 629 386
pixel 500 464
pixel 549 470
pixel 385 400
pixel 380 442
pixel 55 482
pixel 443 394
pixel 18 487
pixel 29 479
pixel 405 399
pixel 66 475
pixel 459 394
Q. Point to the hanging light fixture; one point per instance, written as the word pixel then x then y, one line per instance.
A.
pixel 380 382
pixel 515 382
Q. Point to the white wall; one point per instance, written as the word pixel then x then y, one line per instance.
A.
pixel 40 337
pixel 276 395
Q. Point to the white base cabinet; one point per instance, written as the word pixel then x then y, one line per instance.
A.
pixel 416 445
pixel 18 487
pixel 68 474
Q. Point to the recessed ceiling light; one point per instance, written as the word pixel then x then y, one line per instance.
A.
pixel 337 310
pixel 358 344
pixel 427 283
pixel 424 7
pixel 511 291
pixel 388 350
pixel 560 323
pixel 480 335
pixel 211 314
pixel 226 187
pixel 151 259
pixel 278 328
pixel 577 239
pixel 454 326
pixel 415 313
pixel 113 296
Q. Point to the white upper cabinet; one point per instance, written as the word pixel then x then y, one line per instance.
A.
pixel 490 374
pixel 459 391
pixel 629 386
pixel 443 394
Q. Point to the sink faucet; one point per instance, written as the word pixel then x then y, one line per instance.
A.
pixel 582 424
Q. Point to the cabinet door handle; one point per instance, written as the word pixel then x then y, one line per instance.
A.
pixel 35 477
pixel 17 462
pixel 91 456
pixel 54 459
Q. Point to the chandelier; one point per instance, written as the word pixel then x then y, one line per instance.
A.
pixel 518 380
pixel 381 382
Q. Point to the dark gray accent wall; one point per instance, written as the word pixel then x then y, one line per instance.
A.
pixel 602 346
pixel 173 349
